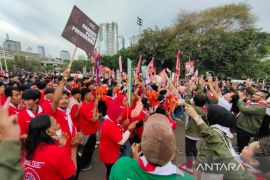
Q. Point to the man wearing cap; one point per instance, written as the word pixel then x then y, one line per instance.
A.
pixel 158 148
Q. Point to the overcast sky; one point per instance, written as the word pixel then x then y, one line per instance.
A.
pixel 41 22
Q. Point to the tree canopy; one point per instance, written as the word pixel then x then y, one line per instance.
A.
pixel 222 39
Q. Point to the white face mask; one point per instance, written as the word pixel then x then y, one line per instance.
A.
pixel 58 134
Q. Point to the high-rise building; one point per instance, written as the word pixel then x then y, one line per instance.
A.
pixel 64 55
pixel 121 42
pixel 107 40
pixel 12 45
pixel 41 51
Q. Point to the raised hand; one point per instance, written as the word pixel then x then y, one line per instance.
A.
pixel 136 151
pixel 132 125
pixel 9 128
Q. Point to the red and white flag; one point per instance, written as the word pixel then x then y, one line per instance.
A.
pixel 162 74
pixel 195 75
pixel 189 68
pixel 177 68
pixel 138 69
pixel 151 68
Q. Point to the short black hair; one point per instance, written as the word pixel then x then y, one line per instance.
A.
pixel 85 78
pixel 11 83
pixel 105 81
pixel 161 97
pixel 110 92
pixel 9 89
pixel 65 92
pixel 49 90
pixel 161 110
pixel 2 84
pixel 200 99
pixel 145 102
pixel 75 91
pixel 84 91
pixel 31 94
pixel 154 87
pixel 163 91
pixel 41 84
pixel 70 79
pixel 23 87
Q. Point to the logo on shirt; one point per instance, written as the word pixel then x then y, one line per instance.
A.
pixel 34 164
pixel 30 174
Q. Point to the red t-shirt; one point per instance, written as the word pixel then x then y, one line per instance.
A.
pixel 73 111
pixel 85 118
pixel 110 134
pixel 25 116
pixel 3 99
pixel 12 110
pixel 140 118
pixel 66 126
pixel 109 101
pixel 49 162
pixel 46 102
pixel 41 100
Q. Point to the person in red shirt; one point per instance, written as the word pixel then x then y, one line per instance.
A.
pixel 63 118
pixel 88 125
pixel 48 96
pixel 43 158
pixel 74 105
pixel 41 86
pixel 112 136
pixel 32 109
pixel 14 101
pixel 2 94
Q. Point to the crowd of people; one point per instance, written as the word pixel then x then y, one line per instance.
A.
pixel 50 126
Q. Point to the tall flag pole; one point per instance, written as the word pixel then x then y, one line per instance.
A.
pixel 177 68
pixel 129 81
pixel 138 69
pixel 120 64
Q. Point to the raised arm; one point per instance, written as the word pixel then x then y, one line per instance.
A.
pixel 58 92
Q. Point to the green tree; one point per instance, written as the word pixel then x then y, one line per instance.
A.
pixel 223 39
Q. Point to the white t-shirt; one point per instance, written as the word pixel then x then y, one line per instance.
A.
pixel 224 103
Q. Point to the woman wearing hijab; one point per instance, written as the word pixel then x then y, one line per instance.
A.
pixel 216 148
pixel 112 136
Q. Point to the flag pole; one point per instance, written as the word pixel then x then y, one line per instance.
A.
pixel 1 65
pixel 174 89
pixel 72 59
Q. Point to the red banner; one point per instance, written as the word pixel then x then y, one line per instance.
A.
pixel 189 68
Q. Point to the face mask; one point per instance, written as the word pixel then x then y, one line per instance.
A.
pixel 58 134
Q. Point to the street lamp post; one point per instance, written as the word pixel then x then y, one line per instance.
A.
pixel 139 22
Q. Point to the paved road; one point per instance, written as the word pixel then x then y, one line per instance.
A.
pixel 99 170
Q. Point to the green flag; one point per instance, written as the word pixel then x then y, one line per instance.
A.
pixel 129 81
